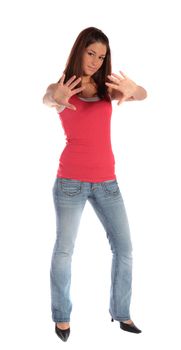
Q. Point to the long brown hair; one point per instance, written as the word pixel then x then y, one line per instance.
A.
pixel 87 37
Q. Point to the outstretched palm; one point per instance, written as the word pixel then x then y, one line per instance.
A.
pixel 64 91
pixel 123 86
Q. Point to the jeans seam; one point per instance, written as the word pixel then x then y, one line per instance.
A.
pixel 108 236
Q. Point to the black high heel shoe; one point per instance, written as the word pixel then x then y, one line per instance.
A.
pixel 128 327
pixel 63 334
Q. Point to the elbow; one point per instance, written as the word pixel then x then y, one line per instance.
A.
pixel 141 93
pixel 145 94
pixel 44 99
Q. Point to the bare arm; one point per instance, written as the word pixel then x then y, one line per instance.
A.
pixel 139 94
pixel 48 97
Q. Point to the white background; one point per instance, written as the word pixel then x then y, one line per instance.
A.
pixel 36 38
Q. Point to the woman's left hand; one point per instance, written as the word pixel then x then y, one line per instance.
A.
pixel 122 84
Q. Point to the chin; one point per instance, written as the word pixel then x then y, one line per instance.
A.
pixel 88 74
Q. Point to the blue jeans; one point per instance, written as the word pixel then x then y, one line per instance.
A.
pixel 69 199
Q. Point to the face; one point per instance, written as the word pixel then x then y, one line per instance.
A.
pixel 93 58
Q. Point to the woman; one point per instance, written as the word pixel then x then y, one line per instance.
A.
pixel 83 98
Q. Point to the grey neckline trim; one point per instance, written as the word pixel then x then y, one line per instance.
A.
pixel 89 99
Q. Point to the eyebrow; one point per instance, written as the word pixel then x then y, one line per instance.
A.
pixel 95 52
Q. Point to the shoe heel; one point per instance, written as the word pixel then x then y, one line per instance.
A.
pixel 63 334
pixel 112 320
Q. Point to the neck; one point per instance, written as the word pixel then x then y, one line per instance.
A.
pixel 86 79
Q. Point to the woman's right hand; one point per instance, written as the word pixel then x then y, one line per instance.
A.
pixel 64 91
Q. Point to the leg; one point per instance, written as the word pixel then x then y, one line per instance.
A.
pixel 109 207
pixel 69 202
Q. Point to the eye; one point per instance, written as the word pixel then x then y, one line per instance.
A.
pixel 90 53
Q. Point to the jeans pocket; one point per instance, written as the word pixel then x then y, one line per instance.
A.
pixel 111 187
pixel 70 187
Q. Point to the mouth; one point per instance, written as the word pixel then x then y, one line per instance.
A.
pixel 92 69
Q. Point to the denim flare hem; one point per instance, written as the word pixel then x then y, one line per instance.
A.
pixel 117 318
pixel 60 320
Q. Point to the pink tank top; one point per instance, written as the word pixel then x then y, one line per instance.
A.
pixel 88 154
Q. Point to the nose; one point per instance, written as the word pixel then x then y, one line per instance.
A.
pixel 94 62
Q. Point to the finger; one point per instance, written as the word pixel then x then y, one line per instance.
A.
pixel 121 101
pixel 62 79
pixel 76 91
pixel 70 80
pixel 115 80
pixel 77 81
pixel 123 74
pixel 117 76
pixel 68 105
pixel 116 87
